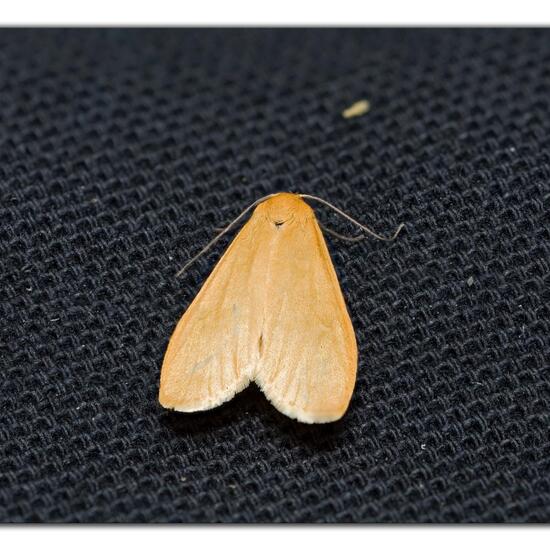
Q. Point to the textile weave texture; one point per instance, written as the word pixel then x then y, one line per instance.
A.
pixel 121 151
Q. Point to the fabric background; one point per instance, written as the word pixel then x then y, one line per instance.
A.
pixel 121 150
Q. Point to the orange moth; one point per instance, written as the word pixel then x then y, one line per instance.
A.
pixel 271 312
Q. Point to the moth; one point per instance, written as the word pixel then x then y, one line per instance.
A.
pixel 271 312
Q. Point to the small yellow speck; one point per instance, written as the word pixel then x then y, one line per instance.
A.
pixel 357 109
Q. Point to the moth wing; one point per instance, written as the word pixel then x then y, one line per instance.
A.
pixel 210 357
pixel 309 353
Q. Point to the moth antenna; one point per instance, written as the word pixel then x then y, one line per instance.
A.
pixel 221 234
pixel 339 235
pixel 349 218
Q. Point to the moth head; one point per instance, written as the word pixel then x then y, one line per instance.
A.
pixel 283 208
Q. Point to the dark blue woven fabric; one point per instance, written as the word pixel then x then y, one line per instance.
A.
pixel 121 150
